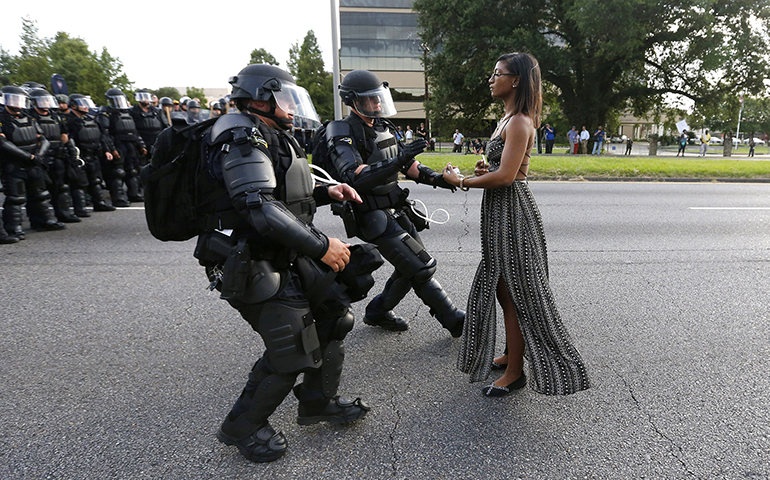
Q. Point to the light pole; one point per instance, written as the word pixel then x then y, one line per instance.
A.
pixel 425 51
pixel 740 114
pixel 335 62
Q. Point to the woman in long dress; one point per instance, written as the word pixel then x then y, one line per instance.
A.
pixel 514 265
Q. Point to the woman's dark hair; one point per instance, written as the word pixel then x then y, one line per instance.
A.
pixel 529 99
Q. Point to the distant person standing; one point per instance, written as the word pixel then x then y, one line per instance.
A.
pixel 409 134
pixel 550 138
pixel 598 141
pixel 421 132
pixel 682 142
pixel 704 143
pixel 584 137
pixel 629 144
pixel 751 147
pixel 457 139
pixel 573 140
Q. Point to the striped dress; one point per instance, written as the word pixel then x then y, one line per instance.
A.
pixel 513 246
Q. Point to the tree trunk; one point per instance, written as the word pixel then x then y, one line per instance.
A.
pixel 653 146
pixel 728 147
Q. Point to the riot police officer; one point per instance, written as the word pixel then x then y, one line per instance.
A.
pixel 94 144
pixel 64 175
pixel 364 152
pixel 124 168
pixel 287 287
pixel 167 108
pixel 22 151
pixel 148 119
pixel 193 112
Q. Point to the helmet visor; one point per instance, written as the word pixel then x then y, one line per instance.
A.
pixel 119 101
pixel 46 101
pixel 143 97
pixel 14 100
pixel 85 102
pixel 295 100
pixel 375 103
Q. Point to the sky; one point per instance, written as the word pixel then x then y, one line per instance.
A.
pixel 177 44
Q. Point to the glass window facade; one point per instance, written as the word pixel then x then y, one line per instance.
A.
pixel 380 41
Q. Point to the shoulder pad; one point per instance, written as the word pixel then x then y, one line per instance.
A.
pixel 229 122
pixel 338 128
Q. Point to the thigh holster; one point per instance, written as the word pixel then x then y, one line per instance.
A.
pixel 407 255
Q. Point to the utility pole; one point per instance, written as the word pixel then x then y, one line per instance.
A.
pixel 336 62
pixel 740 114
pixel 425 51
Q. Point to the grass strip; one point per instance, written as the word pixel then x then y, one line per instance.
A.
pixel 610 166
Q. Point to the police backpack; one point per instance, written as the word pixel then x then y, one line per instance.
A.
pixel 176 185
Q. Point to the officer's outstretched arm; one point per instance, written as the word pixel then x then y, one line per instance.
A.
pixel 250 181
pixel 428 176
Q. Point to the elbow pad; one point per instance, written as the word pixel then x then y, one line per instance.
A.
pixel 247 170
pixel 429 176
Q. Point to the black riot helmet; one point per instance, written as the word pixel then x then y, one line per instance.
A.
pixel 81 103
pixel 363 91
pixel 116 98
pixel 29 86
pixel 271 84
pixel 166 101
pixel 41 99
pixel 14 99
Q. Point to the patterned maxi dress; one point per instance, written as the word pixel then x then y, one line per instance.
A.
pixel 513 246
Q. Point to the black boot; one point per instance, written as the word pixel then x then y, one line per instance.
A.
pixel 262 445
pixel 134 190
pixel 118 193
pixel 6 239
pixel 314 407
pixel 379 311
pixel 12 221
pixel 63 206
pixel 79 203
pixel 441 307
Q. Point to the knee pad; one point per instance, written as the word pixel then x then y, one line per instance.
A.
pixel 119 173
pixel 39 195
pixel 15 199
pixel 343 325
pixel 424 275
pixel 290 336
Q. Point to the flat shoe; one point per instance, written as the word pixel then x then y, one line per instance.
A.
pixel 495 391
pixel 499 366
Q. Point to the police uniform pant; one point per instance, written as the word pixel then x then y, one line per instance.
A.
pixel 25 185
pixel 93 171
pixel 274 374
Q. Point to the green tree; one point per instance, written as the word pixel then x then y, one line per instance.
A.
pixel 601 55
pixel 260 55
pixel 8 65
pixel 307 66
pixel 194 92
pixel 169 92
pixel 32 63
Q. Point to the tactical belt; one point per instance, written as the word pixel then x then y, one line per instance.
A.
pixel 392 199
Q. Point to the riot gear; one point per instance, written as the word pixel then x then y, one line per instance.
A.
pixel 14 99
pixel 272 274
pixel 143 96
pixel 82 103
pixel 116 99
pixel 383 217
pixel 166 101
pixel 43 100
pixel 362 91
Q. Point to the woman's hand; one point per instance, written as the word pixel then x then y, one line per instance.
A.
pixel 482 167
pixel 452 177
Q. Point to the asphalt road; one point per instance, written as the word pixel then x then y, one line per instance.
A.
pixel 115 362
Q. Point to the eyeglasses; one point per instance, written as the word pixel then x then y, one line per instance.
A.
pixel 495 75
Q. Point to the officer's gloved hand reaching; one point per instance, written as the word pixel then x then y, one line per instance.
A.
pixel 411 150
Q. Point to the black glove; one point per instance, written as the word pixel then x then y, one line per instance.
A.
pixel 411 150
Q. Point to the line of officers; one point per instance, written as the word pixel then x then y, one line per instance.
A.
pixel 62 151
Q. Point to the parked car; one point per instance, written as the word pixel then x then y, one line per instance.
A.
pixel 617 139
pixel 757 141
pixel 716 141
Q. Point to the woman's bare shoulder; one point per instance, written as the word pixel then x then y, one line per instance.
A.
pixel 519 125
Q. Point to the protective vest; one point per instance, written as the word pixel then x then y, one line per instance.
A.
pixel 123 126
pixel 298 188
pixel 51 129
pixel 24 133
pixel 89 136
pixel 148 124
pixel 385 146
